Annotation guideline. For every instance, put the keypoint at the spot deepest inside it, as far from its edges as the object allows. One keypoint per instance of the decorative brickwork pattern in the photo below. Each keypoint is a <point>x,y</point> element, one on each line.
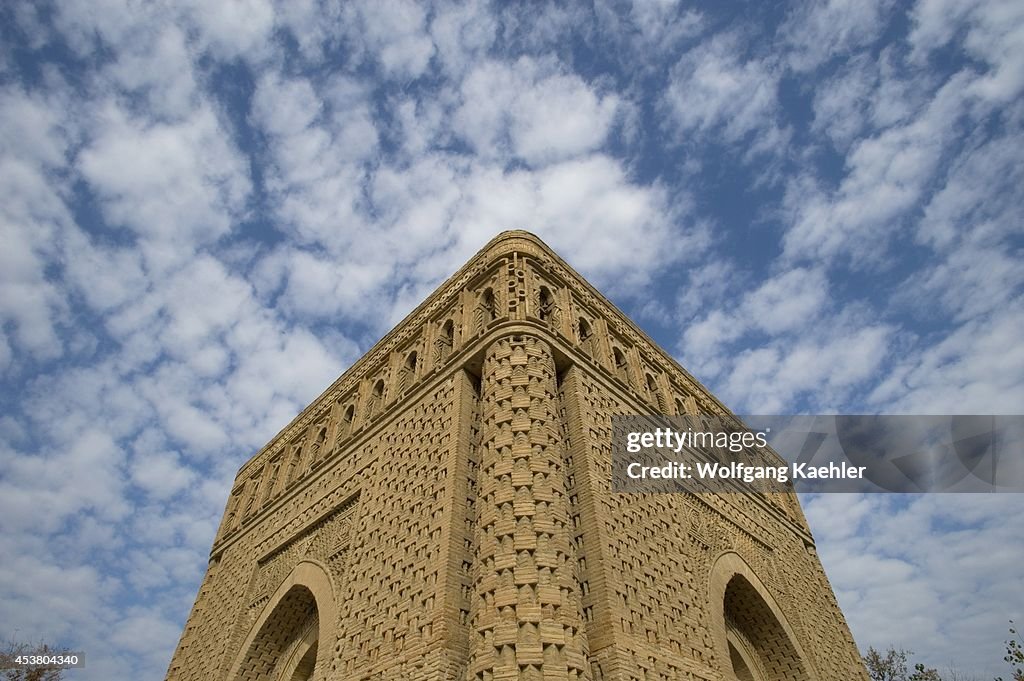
<point>444,511</point>
<point>526,616</point>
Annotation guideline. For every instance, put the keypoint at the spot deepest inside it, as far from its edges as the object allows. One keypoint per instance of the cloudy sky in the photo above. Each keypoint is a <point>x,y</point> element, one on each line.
<point>209,209</point>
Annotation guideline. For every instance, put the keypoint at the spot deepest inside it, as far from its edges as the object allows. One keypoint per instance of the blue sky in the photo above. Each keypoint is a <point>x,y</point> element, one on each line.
<point>209,210</point>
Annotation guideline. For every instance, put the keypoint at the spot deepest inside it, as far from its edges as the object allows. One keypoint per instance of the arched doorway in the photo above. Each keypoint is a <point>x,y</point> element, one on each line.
<point>287,637</point>
<point>754,639</point>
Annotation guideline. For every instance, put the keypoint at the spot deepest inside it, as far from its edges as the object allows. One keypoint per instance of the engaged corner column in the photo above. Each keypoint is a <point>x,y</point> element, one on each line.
<point>526,620</point>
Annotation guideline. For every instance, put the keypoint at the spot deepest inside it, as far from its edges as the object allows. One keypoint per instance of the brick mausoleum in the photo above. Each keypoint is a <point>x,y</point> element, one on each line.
<point>444,511</point>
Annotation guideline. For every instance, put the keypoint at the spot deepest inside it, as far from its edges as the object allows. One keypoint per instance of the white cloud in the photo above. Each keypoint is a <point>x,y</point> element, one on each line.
<point>716,93</point>
<point>819,31</point>
<point>180,183</point>
<point>791,300</point>
<point>71,593</point>
<point>158,65</point>
<point>822,369</point>
<point>33,129</point>
<point>531,110</point>
<point>912,560</point>
<point>935,22</point>
<point>992,32</point>
<point>161,474</point>
<point>433,214</point>
<point>33,145</point>
<point>84,476</point>
<point>840,103</point>
<point>787,302</point>
<point>462,33</point>
<point>583,208</point>
<point>422,125</point>
<point>887,176</point>
<point>285,107</point>
<point>5,352</point>
<point>662,23</point>
<point>640,35</point>
<point>28,17</point>
<point>977,192</point>
<point>543,29</point>
<point>107,277</point>
<point>83,23</point>
<point>224,30</point>
<point>145,635</point>
<point>183,420</point>
<point>322,287</point>
<point>707,283</point>
<point>192,315</point>
<point>971,281</point>
<point>976,368</point>
<point>786,342</point>
<point>704,341</point>
<point>392,33</point>
<point>318,146</point>
<point>232,29</point>
<point>312,24</point>
<point>865,95</point>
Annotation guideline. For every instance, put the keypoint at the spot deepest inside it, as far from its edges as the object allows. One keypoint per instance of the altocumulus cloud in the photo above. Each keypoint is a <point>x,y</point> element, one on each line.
<point>209,210</point>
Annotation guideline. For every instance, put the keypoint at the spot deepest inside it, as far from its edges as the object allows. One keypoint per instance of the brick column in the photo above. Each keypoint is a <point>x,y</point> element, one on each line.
<point>525,615</point>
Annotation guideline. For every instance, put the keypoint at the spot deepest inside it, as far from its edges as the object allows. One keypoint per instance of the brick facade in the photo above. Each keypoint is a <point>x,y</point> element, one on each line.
<point>444,511</point>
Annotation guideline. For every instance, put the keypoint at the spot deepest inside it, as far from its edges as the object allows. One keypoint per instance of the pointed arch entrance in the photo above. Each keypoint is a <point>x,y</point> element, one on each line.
<point>752,636</point>
<point>292,632</point>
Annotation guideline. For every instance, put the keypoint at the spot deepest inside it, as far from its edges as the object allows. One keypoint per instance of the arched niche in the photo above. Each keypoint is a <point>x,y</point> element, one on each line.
<point>753,640</point>
<point>376,398</point>
<point>444,344</point>
<point>293,631</point>
<point>621,364</point>
<point>547,308</point>
<point>407,374</point>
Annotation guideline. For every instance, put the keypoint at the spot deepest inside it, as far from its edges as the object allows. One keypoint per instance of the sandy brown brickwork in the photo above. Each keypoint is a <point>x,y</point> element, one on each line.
<point>443,511</point>
<point>526,617</point>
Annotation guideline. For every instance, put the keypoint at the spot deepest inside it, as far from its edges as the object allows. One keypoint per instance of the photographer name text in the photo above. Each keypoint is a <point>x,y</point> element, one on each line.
<point>738,470</point>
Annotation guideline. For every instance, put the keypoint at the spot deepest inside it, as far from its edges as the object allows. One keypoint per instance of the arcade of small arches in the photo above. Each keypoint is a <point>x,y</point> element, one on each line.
<point>555,307</point>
